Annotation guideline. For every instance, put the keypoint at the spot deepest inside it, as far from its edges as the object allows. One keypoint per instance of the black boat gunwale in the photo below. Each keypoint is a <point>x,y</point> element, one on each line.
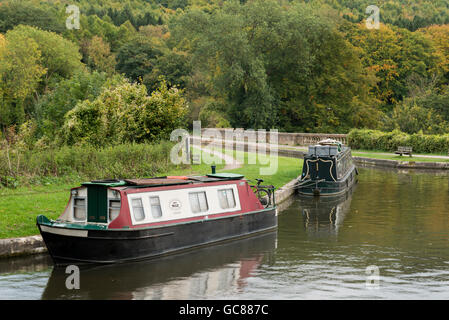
<point>173,251</point>
<point>64,260</point>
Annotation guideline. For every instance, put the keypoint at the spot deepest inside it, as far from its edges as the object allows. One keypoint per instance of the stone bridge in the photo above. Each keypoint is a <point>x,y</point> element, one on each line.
<point>284,138</point>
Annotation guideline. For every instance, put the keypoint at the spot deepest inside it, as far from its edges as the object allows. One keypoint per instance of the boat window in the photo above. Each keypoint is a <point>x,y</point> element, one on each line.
<point>114,209</point>
<point>226,198</point>
<point>79,209</point>
<point>138,211</point>
<point>198,201</point>
<point>155,207</point>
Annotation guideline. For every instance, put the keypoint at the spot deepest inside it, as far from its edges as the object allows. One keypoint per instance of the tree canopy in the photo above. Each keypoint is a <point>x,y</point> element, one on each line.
<point>310,66</point>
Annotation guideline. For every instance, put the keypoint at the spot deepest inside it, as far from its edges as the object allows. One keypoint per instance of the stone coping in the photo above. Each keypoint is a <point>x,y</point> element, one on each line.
<point>21,246</point>
<point>402,164</point>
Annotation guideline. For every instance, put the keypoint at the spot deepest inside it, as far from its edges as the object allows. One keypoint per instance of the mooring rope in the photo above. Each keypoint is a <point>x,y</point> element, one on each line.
<point>311,182</point>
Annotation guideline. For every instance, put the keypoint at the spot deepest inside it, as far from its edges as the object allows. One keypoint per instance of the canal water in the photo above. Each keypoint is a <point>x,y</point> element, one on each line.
<point>388,238</point>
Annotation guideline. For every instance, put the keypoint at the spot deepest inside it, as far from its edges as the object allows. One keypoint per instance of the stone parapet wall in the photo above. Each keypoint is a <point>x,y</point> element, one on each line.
<point>284,138</point>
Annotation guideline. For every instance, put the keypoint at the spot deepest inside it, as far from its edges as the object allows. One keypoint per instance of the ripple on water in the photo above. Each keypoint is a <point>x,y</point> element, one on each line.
<point>27,286</point>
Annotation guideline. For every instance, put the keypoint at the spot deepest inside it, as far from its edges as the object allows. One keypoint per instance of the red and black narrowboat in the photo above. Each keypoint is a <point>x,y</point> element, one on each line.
<point>112,221</point>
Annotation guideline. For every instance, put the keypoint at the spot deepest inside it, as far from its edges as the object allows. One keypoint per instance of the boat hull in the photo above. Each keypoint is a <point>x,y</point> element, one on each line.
<point>330,188</point>
<point>73,246</point>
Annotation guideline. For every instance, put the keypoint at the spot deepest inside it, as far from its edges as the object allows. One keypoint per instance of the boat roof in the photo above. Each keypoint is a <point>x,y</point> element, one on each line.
<point>164,181</point>
<point>320,150</point>
<point>329,142</point>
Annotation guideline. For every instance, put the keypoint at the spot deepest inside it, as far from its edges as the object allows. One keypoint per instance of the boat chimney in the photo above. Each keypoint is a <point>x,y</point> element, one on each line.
<point>213,169</point>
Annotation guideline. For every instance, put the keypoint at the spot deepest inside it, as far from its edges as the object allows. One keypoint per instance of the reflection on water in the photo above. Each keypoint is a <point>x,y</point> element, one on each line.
<point>395,220</point>
<point>29,264</point>
<point>191,275</point>
<point>323,216</point>
<point>24,278</point>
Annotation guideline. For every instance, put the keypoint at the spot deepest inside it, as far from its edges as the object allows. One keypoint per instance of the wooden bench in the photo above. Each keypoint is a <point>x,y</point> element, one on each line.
<point>404,150</point>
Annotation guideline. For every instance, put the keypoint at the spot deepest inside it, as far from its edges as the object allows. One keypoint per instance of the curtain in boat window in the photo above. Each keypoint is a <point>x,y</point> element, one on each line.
<point>198,201</point>
<point>226,198</point>
<point>155,207</point>
<point>230,197</point>
<point>114,208</point>
<point>79,209</point>
<point>139,213</point>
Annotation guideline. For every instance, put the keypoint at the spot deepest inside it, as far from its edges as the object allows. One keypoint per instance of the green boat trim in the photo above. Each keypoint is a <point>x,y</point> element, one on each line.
<point>43,220</point>
<point>105,183</point>
<point>226,175</point>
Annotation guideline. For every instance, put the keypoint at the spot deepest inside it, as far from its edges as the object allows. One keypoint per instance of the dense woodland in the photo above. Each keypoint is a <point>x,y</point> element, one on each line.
<point>137,69</point>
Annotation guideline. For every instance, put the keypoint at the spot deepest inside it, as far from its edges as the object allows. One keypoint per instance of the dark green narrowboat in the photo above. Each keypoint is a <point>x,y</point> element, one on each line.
<point>328,169</point>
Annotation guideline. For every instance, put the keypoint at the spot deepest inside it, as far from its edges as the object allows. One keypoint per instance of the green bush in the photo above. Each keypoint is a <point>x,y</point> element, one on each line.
<point>52,107</point>
<point>390,141</point>
<point>22,166</point>
<point>124,114</point>
<point>411,118</point>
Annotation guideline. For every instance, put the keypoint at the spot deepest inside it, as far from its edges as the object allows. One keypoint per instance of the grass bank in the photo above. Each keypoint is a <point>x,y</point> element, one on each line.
<point>375,155</point>
<point>286,168</point>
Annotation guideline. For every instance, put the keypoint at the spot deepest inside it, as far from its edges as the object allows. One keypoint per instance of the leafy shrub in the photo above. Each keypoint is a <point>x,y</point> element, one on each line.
<point>390,141</point>
<point>125,113</point>
<point>52,107</point>
<point>413,119</point>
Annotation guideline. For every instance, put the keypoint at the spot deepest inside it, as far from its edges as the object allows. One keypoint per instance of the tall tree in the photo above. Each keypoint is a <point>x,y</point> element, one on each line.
<point>42,16</point>
<point>98,55</point>
<point>395,55</point>
<point>20,73</point>
<point>276,65</point>
<point>60,57</point>
<point>439,35</point>
<point>137,57</point>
